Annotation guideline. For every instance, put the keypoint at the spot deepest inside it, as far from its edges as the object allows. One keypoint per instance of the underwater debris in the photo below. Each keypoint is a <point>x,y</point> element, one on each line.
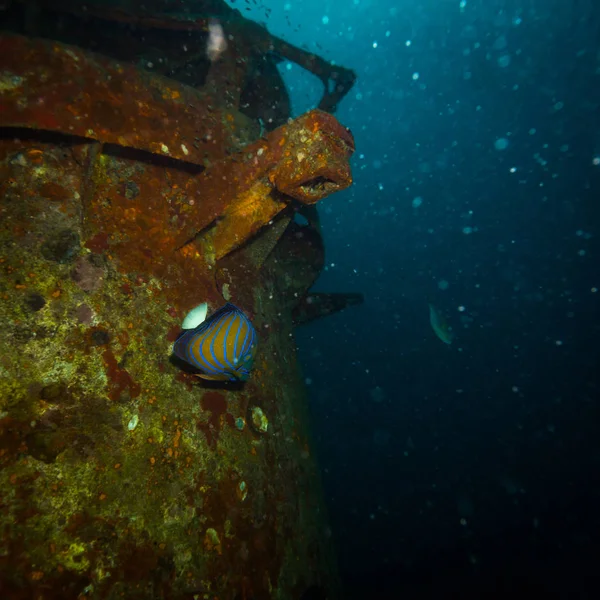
<point>246,192</point>
<point>96,493</point>
<point>244,37</point>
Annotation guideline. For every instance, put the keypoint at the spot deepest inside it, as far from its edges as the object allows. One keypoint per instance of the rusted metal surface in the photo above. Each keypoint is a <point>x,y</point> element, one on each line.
<point>305,161</point>
<point>154,218</point>
<point>122,475</point>
<point>297,262</point>
<point>113,103</point>
<point>247,39</point>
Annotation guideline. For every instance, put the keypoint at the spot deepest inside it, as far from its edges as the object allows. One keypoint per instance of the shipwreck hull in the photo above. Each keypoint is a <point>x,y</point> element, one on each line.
<point>126,199</point>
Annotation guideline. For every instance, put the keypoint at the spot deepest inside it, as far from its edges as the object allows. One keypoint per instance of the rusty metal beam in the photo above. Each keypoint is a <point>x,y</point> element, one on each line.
<point>61,88</point>
<point>305,160</point>
<point>246,34</point>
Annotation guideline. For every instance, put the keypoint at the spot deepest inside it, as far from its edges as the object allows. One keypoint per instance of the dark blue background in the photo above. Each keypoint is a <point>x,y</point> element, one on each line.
<point>501,428</point>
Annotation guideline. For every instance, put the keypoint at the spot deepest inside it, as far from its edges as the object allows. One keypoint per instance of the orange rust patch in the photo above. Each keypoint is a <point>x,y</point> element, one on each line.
<point>216,403</point>
<point>119,379</point>
<point>53,191</point>
<point>146,225</point>
<point>98,243</point>
<point>173,333</point>
<point>35,155</point>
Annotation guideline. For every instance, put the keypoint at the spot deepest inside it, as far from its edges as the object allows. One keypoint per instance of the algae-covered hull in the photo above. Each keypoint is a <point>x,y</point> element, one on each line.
<point>127,199</point>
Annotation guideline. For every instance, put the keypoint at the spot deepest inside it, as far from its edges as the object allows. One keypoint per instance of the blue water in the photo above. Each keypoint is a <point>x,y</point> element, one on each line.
<point>476,188</point>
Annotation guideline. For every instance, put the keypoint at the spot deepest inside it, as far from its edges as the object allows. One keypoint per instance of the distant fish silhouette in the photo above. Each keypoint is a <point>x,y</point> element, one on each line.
<point>222,347</point>
<point>439,325</point>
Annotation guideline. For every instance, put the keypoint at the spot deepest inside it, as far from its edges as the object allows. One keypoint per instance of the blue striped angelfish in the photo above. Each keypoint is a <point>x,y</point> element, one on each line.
<point>222,347</point>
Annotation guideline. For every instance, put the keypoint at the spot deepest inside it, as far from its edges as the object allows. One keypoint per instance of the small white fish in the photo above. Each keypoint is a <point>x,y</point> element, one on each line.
<point>195,317</point>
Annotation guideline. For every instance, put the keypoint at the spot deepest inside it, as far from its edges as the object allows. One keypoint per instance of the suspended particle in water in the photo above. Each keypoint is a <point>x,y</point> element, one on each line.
<point>500,43</point>
<point>501,144</point>
<point>504,61</point>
